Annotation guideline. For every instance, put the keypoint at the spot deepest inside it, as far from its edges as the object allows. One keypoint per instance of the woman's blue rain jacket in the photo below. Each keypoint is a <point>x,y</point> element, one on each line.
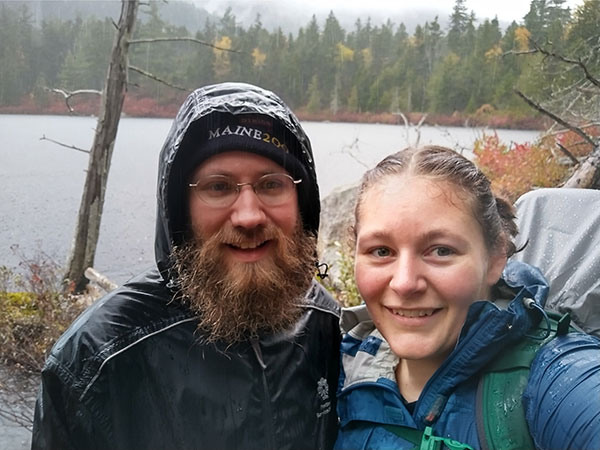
<point>561,399</point>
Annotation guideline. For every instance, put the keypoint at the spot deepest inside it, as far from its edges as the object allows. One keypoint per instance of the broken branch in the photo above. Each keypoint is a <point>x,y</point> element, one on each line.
<point>564,59</point>
<point>72,147</point>
<point>188,39</point>
<point>554,117</point>
<point>567,153</point>
<point>68,95</point>
<point>155,78</point>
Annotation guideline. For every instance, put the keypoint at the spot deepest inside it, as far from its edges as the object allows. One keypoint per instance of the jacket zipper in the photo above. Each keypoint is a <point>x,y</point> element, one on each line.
<point>268,410</point>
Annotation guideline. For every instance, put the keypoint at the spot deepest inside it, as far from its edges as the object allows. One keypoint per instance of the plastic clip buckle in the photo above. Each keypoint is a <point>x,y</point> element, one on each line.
<point>431,442</point>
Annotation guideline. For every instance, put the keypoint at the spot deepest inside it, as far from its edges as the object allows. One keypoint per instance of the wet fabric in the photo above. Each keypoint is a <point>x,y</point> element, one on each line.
<point>561,230</point>
<point>186,145</point>
<point>565,374</point>
<point>130,373</point>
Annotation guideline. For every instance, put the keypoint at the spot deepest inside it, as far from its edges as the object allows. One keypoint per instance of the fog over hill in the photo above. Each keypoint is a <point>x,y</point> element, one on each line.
<point>289,15</point>
<point>180,13</point>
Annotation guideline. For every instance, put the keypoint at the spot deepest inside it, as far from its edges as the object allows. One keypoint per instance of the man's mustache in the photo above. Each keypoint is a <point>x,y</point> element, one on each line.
<point>243,238</point>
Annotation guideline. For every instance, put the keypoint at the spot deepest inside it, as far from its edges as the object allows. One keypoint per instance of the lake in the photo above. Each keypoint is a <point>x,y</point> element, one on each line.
<point>41,182</point>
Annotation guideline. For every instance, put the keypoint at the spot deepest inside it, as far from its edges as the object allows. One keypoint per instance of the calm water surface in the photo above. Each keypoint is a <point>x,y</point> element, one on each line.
<point>41,182</point>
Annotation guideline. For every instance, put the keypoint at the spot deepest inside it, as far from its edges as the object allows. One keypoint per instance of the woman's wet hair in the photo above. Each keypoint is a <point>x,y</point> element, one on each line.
<point>495,215</point>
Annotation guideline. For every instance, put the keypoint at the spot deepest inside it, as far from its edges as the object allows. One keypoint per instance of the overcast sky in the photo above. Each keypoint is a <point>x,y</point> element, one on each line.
<point>505,10</point>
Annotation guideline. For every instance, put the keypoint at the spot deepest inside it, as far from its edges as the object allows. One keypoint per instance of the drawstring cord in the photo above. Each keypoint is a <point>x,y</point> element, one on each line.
<point>530,303</point>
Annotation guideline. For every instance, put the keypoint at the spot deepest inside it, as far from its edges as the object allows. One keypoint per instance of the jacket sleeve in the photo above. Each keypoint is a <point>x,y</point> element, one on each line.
<point>562,403</point>
<point>56,414</point>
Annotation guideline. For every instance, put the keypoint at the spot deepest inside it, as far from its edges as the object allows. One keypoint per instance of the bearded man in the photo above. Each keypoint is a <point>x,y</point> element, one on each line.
<point>229,343</point>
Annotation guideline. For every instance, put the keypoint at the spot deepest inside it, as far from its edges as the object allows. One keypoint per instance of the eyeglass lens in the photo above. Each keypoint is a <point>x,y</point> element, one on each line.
<point>221,191</point>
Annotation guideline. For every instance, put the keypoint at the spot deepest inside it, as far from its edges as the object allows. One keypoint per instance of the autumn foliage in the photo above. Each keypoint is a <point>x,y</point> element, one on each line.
<point>574,143</point>
<point>517,168</point>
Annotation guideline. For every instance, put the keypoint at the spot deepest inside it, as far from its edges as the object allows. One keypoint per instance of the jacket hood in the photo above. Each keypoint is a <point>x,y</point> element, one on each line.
<point>205,114</point>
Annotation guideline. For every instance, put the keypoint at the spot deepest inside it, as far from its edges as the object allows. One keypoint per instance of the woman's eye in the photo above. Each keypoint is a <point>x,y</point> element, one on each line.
<point>381,252</point>
<point>443,251</point>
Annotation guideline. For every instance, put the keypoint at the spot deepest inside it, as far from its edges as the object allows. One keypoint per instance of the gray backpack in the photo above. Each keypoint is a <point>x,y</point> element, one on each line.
<point>562,229</point>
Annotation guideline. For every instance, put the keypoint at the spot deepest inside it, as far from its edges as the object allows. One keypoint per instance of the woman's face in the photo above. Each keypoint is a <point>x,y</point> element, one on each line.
<point>421,261</point>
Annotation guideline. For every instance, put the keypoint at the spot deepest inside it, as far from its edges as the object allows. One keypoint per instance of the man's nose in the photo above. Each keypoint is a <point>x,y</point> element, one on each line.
<point>408,277</point>
<point>247,211</point>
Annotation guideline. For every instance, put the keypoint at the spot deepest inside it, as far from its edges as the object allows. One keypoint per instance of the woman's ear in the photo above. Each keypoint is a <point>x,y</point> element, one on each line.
<point>496,266</point>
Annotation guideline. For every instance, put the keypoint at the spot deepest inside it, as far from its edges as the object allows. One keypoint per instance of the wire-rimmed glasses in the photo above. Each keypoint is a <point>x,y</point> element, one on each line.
<point>220,191</point>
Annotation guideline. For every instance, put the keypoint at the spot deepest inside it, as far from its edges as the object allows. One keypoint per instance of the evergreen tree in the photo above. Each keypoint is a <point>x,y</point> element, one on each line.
<point>545,21</point>
<point>314,95</point>
<point>370,68</point>
<point>56,40</point>
<point>307,55</point>
<point>15,53</point>
<point>481,67</point>
<point>328,69</point>
<point>432,43</point>
<point>458,27</point>
<point>85,64</point>
<point>509,67</point>
<point>200,63</point>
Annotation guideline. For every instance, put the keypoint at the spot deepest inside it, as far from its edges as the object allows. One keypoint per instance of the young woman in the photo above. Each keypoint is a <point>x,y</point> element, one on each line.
<point>441,306</point>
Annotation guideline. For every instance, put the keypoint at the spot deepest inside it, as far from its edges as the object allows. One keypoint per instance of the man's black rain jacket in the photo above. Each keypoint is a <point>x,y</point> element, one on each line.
<point>130,374</point>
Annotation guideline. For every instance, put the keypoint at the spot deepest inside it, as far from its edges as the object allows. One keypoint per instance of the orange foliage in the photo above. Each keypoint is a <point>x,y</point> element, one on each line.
<point>575,143</point>
<point>519,168</point>
<point>522,36</point>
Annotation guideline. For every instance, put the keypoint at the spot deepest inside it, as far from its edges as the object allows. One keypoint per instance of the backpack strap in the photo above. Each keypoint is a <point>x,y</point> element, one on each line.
<point>500,413</point>
<point>425,440</point>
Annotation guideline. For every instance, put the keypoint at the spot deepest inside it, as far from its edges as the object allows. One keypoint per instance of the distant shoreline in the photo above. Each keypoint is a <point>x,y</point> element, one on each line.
<point>88,105</point>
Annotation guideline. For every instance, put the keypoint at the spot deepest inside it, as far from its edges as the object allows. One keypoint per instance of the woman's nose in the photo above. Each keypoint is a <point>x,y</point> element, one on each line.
<point>407,277</point>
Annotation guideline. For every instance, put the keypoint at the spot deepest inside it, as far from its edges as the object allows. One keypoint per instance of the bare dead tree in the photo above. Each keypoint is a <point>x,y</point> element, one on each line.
<point>582,94</point>
<point>587,174</point>
<point>92,201</point>
<point>409,126</point>
<point>576,62</point>
<point>574,89</point>
<point>556,118</point>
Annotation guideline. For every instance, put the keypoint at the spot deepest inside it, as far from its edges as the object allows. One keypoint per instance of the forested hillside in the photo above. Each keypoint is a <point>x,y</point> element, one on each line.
<point>471,66</point>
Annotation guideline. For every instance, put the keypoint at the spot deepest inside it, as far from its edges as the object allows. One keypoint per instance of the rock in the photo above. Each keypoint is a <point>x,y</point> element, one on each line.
<point>335,231</point>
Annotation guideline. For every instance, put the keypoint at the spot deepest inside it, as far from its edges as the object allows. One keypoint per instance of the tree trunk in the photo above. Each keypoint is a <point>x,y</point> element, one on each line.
<point>587,175</point>
<point>92,201</point>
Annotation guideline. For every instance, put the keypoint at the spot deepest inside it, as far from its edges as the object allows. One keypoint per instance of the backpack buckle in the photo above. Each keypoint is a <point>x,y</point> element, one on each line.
<point>431,442</point>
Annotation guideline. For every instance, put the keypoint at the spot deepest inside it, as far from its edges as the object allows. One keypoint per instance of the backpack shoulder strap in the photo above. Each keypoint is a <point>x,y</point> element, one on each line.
<point>500,413</point>
<point>425,440</point>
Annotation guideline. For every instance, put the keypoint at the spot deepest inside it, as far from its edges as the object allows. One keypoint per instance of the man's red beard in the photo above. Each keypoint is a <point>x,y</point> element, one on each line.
<point>236,301</point>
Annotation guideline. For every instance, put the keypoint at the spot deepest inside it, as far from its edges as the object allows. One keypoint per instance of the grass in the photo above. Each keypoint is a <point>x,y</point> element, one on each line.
<point>34,311</point>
